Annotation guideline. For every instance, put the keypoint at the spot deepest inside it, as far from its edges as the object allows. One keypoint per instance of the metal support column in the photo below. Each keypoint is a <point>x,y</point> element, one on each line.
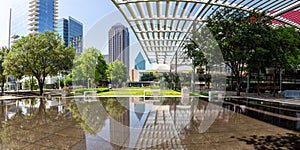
<point>248,83</point>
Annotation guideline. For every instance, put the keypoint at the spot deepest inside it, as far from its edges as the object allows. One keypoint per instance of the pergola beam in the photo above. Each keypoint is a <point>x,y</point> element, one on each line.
<point>287,9</point>
<point>163,25</point>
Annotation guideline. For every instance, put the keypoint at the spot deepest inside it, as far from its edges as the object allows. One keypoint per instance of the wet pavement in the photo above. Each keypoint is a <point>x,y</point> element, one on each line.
<point>136,123</point>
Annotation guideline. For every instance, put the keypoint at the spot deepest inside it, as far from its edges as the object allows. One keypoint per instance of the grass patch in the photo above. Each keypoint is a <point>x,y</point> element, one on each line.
<point>199,93</point>
<point>137,92</point>
<point>98,90</point>
<point>164,92</point>
<point>133,92</point>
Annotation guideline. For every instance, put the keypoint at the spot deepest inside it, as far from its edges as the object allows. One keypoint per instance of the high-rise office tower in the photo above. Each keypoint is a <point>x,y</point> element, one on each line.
<point>71,31</point>
<point>118,48</point>
<point>33,16</point>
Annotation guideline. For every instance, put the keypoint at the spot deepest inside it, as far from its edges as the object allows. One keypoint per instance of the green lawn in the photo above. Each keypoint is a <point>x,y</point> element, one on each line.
<point>128,92</point>
<point>137,92</point>
<point>133,92</point>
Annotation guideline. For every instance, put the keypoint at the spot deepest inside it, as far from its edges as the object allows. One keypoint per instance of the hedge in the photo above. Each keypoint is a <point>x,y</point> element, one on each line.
<point>99,90</point>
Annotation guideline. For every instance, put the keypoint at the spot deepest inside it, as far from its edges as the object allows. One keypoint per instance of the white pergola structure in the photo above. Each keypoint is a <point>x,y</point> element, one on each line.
<point>161,26</point>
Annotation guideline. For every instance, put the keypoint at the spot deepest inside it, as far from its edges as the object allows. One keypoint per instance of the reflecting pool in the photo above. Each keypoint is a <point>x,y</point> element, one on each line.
<point>139,123</point>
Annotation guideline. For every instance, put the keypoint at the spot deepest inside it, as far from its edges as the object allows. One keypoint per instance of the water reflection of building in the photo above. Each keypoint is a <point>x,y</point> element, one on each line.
<point>160,127</point>
<point>139,110</point>
<point>120,126</point>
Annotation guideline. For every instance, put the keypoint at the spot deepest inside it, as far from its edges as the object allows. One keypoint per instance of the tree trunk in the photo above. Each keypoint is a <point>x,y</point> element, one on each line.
<point>258,85</point>
<point>2,114</point>
<point>238,89</point>
<point>41,85</point>
<point>31,83</point>
<point>42,108</point>
<point>274,83</point>
<point>2,85</point>
<point>238,85</point>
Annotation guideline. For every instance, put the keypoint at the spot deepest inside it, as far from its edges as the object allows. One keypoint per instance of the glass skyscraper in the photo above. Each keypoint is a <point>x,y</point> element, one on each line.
<point>118,48</point>
<point>71,31</point>
<point>33,16</point>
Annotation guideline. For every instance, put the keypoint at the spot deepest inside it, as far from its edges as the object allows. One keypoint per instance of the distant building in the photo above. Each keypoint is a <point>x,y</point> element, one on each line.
<point>71,31</point>
<point>139,62</point>
<point>106,57</point>
<point>118,47</point>
<point>32,16</point>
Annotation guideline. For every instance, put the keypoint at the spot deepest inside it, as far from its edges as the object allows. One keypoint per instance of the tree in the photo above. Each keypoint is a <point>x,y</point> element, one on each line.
<point>283,50</point>
<point>148,77</point>
<point>93,115</point>
<point>66,81</point>
<point>100,72</point>
<point>118,73</point>
<point>85,66</point>
<point>3,53</point>
<point>234,29</point>
<point>259,34</point>
<point>39,55</point>
<point>29,84</point>
<point>192,50</point>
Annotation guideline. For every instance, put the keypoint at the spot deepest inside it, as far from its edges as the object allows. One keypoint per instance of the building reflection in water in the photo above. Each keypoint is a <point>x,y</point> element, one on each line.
<point>120,126</point>
<point>149,123</point>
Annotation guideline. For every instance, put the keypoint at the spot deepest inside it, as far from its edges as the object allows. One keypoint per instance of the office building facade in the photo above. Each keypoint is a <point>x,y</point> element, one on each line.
<point>71,31</point>
<point>118,48</point>
<point>33,16</point>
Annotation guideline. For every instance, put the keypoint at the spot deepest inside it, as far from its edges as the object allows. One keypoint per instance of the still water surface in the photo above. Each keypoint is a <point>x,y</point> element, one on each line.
<point>118,123</point>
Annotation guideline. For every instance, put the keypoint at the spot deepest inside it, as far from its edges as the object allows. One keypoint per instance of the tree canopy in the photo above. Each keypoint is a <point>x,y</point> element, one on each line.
<point>118,73</point>
<point>240,34</point>
<point>148,77</point>
<point>90,65</point>
<point>3,53</point>
<point>101,67</point>
<point>84,66</point>
<point>247,41</point>
<point>39,55</point>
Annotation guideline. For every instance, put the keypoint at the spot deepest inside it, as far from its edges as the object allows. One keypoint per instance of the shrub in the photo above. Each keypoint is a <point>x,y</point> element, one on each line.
<point>199,93</point>
<point>99,90</point>
<point>203,93</point>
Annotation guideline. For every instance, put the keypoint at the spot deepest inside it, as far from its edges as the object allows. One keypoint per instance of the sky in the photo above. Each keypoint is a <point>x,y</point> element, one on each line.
<point>97,17</point>
<point>89,12</point>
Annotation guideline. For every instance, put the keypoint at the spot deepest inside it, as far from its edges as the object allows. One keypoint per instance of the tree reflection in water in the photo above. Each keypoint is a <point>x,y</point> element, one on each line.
<point>93,114</point>
<point>22,129</point>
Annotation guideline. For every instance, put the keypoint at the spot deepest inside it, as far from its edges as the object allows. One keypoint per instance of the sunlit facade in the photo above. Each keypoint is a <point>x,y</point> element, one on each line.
<point>118,48</point>
<point>71,31</point>
<point>33,16</point>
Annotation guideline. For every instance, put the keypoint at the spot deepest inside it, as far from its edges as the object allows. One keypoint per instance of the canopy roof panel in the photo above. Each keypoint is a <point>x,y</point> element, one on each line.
<point>162,25</point>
